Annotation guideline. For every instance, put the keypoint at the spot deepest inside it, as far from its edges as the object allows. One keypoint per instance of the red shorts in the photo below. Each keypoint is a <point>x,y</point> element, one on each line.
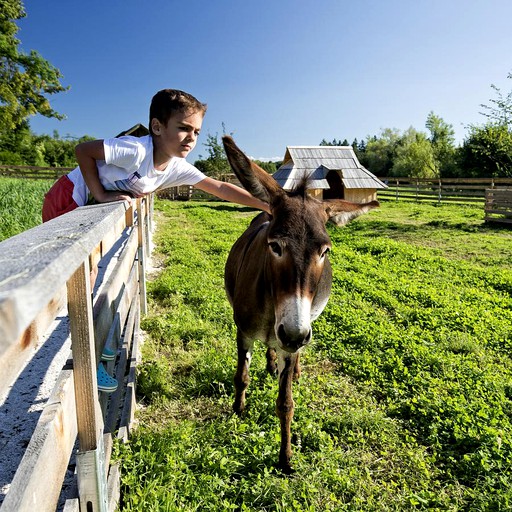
<point>59,199</point>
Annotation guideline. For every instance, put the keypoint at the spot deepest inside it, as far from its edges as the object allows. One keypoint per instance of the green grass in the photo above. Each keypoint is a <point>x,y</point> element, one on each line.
<point>405,398</point>
<point>21,201</point>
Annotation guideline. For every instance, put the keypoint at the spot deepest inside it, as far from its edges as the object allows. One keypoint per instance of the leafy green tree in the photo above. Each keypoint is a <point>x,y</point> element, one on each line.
<point>500,110</point>
<point>270,167</point>
<point>414,156</point>
<point>216,164</point>
<point>58,152</point>
<point>25,79</point>
<point>442,139</point>
<point>487,151</point>
<point>380,152</point>
<point>17,147</point>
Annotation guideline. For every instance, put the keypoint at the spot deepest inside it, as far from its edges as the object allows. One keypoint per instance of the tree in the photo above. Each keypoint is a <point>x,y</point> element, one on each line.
<point>380,152</point>
<point>442,139</point>
<point>500,112</point>
<point>25,79</point>
<point>334,142</point>
<point>270,167</point>
<point>414,156</point>
<point>216,164</point>
<point>487,151</point>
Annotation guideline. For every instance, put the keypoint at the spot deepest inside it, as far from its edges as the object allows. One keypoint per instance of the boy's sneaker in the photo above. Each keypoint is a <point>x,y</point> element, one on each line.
<point>106,383</point>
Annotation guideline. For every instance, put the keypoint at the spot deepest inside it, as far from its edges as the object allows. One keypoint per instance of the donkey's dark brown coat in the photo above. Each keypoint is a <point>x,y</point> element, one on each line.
<point>278,280</point>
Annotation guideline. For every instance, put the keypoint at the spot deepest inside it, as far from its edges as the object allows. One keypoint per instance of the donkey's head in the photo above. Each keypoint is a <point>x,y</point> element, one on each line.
<point>298,272</point>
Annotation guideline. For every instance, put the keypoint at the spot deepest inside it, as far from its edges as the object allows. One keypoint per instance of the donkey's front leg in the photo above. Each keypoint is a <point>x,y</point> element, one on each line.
<point>285,406</point>
<point>242,378</point>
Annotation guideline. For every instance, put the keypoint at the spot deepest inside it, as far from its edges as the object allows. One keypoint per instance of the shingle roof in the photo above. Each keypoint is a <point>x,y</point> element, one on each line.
<point>316,161</point>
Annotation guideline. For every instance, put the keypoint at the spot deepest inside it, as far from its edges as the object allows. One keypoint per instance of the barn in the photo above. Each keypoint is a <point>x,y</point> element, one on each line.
<point>334,173</point>
<point>139,130</point>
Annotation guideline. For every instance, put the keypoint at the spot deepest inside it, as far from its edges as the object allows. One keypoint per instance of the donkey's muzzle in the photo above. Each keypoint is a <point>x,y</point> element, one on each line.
<point>292,340</point>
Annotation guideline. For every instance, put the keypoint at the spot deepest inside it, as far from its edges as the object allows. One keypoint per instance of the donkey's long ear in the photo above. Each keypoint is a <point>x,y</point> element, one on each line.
<point>252,177</point>
<point>341,212</point>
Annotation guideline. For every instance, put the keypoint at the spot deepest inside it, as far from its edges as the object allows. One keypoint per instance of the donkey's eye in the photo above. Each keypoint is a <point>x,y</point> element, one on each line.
<point>324,252</point>
<point>275,248</point>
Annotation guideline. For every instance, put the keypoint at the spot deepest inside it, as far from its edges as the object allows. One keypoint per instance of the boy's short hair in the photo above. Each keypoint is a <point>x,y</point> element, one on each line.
<point>167,102</point>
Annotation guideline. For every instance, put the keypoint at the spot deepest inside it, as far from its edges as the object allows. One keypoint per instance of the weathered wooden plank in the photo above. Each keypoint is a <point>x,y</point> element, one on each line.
<point>72,505</point>
<point>14,357</point>
<point>498,219</point>
<point>114,487</point>
<point>35,264</point>
<point>128,412</point>
<point>498,211</point>
<point>84,358</point>
<point>38,480</point>
<point>141,255</point>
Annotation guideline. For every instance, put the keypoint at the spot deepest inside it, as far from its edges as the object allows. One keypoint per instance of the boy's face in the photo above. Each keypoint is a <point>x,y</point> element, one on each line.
<point>179,136</point>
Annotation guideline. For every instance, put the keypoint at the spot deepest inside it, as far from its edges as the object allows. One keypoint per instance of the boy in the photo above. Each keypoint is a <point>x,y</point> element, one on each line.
<point>120,169</point>
<point>126,167</point>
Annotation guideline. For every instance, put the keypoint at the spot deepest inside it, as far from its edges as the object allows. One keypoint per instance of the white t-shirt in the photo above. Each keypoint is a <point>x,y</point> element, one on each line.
<point>128,167</point>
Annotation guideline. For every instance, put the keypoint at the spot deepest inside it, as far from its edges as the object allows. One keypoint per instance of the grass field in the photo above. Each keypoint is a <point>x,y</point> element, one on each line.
<point>405,398</point>
<point>20,204</point>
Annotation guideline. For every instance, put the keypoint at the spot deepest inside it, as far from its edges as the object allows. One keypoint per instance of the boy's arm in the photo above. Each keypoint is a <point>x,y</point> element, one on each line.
<point>86,154</point>
<point>231,193</point>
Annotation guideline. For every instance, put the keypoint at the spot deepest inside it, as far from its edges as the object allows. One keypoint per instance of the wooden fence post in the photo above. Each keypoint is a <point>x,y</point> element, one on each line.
<point>92,480</point>
<point>141,255</point>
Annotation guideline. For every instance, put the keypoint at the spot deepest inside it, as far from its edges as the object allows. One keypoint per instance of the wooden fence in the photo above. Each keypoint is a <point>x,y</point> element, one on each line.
<point>33,172</point>
<point>453,190</point>
<point>41,271</point>
<point>498,205</point>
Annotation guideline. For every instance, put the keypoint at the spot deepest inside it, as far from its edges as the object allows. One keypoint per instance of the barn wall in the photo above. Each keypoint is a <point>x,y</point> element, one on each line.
<point>317,193</point>
<point>360,195</point>
<point>356,195</point>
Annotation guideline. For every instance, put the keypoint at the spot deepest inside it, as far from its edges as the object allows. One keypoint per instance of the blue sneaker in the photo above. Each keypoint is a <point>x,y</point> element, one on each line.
<point>108,354</point>
<point>106,383</point>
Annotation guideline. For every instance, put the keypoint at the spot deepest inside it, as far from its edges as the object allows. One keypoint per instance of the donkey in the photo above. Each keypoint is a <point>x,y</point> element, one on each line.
<point>278,280</point>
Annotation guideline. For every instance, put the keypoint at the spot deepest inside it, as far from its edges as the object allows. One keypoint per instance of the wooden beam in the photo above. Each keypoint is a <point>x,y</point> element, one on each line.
<point>15,356</point>
<point>38,480</point>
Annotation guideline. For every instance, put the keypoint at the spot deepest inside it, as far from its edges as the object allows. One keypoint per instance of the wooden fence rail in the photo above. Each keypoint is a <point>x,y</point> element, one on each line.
<point>498,205</point>
<point>453,190</point>
<point>33,172</point>
<point>42,270</point>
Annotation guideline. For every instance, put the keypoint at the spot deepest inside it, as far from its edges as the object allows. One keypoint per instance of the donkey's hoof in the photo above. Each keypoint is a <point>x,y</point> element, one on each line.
<point>238,408</point>
<point>286,469</point>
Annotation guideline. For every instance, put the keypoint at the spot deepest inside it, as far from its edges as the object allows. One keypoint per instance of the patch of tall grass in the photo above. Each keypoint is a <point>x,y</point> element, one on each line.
<point>21,201</point>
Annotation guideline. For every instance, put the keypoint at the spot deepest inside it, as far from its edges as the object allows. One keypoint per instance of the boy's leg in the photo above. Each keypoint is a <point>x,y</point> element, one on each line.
<point>59,199</point>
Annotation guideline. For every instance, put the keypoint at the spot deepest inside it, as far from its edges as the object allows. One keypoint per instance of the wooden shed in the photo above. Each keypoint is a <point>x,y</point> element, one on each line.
<point>139,130</point>
<point>334,172</point>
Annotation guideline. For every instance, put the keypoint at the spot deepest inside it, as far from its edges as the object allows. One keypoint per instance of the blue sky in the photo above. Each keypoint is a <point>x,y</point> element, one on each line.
<point>275,72</point>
